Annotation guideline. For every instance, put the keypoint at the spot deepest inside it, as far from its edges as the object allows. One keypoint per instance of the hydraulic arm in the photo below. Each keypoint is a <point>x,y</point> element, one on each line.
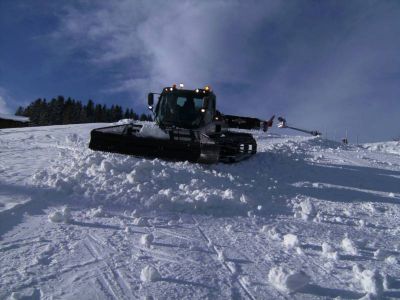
<point>283,124</point>
<point>247,122</point>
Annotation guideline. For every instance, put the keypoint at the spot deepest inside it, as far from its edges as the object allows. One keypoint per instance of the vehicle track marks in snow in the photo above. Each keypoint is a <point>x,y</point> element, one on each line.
<point>108,276</point>
<point>223,263</point>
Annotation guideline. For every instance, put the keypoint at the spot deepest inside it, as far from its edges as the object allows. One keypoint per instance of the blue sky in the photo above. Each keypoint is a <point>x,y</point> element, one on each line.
<point>327,65</point>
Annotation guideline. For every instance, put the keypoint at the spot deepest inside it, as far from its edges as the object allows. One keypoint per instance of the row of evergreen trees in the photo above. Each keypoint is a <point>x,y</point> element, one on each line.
<point>59,111</point>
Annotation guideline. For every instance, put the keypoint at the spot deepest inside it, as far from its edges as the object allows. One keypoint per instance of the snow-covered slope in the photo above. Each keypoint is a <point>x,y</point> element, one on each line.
<point>304,218</point>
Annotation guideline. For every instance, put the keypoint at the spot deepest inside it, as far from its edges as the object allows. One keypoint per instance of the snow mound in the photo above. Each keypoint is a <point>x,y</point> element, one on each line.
<point>149,274</point>
<point>112,179</point>
<point>61,216</point>
<point>287,281</point>
<point>290,241</point>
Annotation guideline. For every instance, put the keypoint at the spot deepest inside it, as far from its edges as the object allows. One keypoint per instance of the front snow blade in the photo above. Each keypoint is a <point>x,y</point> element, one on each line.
<point>124,139</point>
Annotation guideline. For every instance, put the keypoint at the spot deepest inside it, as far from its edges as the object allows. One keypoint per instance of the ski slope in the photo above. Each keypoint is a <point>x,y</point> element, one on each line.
<point>304,218</point>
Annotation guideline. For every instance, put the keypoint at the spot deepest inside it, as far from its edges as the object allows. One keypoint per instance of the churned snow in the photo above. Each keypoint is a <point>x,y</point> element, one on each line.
<point>305,218</point>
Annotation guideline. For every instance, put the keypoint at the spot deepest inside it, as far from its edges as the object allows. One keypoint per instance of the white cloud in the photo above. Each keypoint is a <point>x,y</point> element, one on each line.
<point>161,43</point>
<point>3,104</point>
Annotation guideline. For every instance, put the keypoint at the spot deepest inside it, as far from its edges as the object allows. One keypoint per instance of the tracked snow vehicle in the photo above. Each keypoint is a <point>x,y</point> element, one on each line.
<point>191,129</point>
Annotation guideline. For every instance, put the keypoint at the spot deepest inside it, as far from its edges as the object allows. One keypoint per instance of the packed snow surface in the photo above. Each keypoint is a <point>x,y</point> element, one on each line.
<point>305,218</point>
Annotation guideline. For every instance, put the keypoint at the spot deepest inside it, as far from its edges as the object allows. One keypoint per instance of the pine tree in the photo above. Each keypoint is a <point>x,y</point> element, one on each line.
<point>90,111</point>
<point>60,111</point>
<point>143,117</point>
<point>98,113</point>
<point>20,111</point>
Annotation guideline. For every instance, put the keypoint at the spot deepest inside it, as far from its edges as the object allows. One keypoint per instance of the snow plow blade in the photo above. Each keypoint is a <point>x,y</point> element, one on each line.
<point>182,144</point>
<point>124,139</point>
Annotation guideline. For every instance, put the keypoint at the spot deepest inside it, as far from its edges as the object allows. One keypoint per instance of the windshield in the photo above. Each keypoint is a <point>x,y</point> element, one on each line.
<point>179,110</point>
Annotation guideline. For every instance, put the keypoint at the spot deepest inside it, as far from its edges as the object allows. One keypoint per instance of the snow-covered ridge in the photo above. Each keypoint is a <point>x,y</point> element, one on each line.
<point>13,117</point>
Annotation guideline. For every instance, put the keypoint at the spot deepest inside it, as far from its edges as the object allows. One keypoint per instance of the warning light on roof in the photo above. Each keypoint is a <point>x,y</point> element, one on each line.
<point>171,89</point>
<point>181,85</point>
<point>207,88</point>
<point>197,90</point>
<point>174,86</point>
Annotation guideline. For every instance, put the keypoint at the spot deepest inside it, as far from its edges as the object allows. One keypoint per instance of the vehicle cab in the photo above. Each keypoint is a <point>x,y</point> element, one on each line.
<point>184,108</point>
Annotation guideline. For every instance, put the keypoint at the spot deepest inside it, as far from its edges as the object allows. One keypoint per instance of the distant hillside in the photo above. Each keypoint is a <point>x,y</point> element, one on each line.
<point>60,111</point>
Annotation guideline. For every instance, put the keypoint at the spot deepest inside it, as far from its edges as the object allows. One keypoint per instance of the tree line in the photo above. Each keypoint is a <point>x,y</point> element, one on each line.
<point>60,111</point>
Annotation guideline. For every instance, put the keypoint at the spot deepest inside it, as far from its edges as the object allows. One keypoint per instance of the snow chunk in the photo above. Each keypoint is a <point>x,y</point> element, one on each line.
<point>271,232</point>
<point>96,212</point>
<point>380,254</point>
<point>348,246</point>
<point>391,260</point>
<point>141,222</point>
<point>328,251</point>
<point>290,241</point>
<point>232,267</point>
<point>149,274</point>
<point>220,254</point>
<point>227,194</point>
<point>105,166</point>
<point>307,209</point>
<point>61,216</point>
<point>146,240</point>
<point>287,280</point>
